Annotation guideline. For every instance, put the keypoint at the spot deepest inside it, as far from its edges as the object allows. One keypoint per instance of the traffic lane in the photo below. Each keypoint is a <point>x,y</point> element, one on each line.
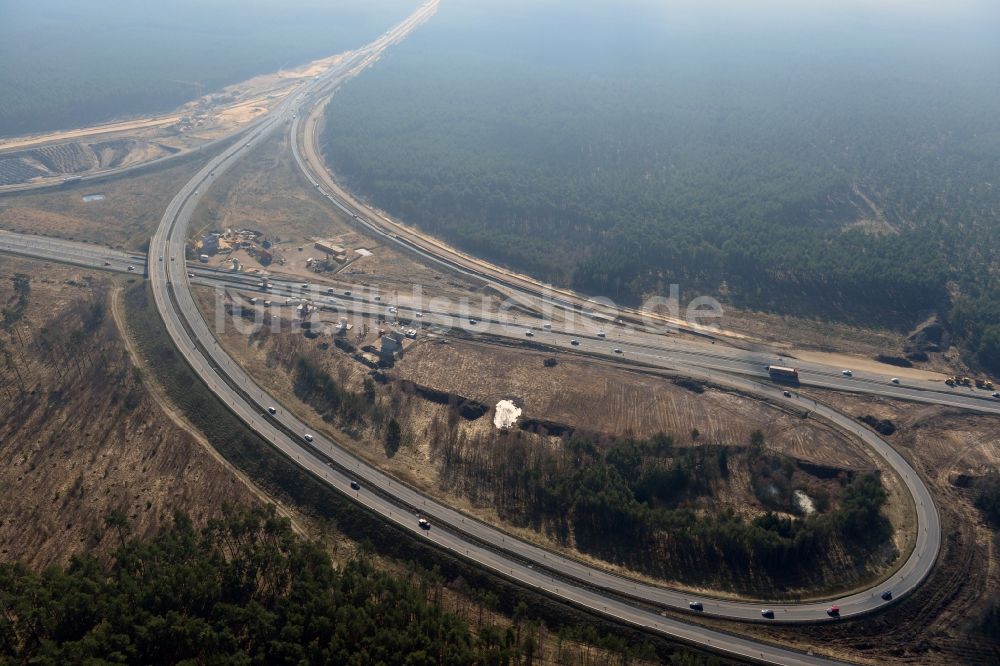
<point>75,259</point>
<point>668,354</point>
<point>59,248</point>
<point>928,537</point>
<point>763,360</point>
<point>49,242</point>
<point>756,361</point>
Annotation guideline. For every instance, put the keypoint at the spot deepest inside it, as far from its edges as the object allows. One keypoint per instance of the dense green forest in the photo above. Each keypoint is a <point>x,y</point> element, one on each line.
<point>69,64</point>
<point>988,498</point>
<point>810,160</point>
<point>244,590</point>
<point>987,491</point>
<point>652,506</point>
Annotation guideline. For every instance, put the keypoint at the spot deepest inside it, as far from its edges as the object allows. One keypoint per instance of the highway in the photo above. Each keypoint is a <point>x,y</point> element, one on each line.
<point>656,350</point>
<point>478,542</point>
<point>695,363</point>
<point>70,252</point>
<point>560,577</point>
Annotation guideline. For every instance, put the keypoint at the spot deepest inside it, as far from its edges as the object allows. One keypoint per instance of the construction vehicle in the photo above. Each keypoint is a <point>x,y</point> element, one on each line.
<point>950,381</point>
<point>984,384</point>
<point>965,381</point>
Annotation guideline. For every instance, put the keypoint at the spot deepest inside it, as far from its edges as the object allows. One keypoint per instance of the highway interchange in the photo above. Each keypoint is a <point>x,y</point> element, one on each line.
<point>552,574</point>
<point>529,563</point>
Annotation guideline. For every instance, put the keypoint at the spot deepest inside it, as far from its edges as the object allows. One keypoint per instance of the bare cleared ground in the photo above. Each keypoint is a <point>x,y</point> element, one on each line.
<point>834,342</point>
<point>54,156</point>
<point>268,193</point>
<point>602,399</point>
<point>126,218</point>
<point>36,140</point>
<point>86,437</point>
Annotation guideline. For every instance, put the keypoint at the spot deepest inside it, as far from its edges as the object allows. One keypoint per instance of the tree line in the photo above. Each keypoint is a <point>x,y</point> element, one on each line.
<point>635,502</point>
<point>245,589</point>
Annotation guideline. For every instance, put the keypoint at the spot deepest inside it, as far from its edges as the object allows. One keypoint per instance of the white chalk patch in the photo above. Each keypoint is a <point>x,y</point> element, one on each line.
<point>506,414</point>
<point>804,503</point>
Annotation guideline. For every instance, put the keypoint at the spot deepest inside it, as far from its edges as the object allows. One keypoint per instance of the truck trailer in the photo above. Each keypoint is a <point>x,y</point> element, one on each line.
<point>782,374</point>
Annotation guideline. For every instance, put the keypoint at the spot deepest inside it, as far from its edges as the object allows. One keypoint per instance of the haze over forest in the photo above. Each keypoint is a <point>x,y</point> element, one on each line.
<point>66,64</point>
<point>813,158</point>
